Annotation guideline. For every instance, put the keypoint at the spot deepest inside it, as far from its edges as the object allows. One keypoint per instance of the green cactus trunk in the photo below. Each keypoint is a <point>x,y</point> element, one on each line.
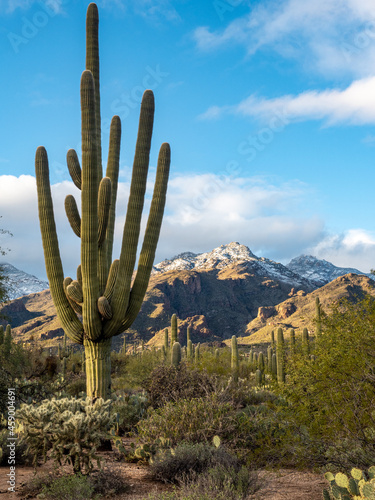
<point>166,340</point>
<point>174,335</point>
<point>176,354</point>
<point>280,357</point>
<point>189,350</point>
<point>292,341</point>
<point>305,342</point>
<point>318,318</point>
<point>1,335</point>
<point>188,334</point>
<point>102,294</point>
<point>235,363</point>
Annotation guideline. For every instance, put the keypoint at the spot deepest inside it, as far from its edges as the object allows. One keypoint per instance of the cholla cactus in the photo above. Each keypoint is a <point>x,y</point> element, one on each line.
<point>102,294</point>
<point>71,428</point>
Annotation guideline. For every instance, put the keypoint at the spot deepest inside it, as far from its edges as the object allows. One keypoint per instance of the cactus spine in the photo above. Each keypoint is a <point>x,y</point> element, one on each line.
<point>235,364</point>
<point>174,329</point>
<point>280,357</point>
<point>102,292</point>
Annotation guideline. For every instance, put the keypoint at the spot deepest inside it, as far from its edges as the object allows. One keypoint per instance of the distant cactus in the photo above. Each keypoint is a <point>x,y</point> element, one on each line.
<point>176,354</point>
<point>261,363</point>
<point>273,344</point>
<point>166,340</point>
<point>1,335</point>
<point>269,359</point>
<point>7,340</point>
<point>188,334</point>
<point>292,341</point>
<point>259,377</point>
<point>217,354</point>
<point>274,366</point>
<point>189,350</point>
<point>305,342</point>
<point>318,318</point>
<point>174,335</point>
<point>235,363</point>
<point>280,357</point>
<point>197,354</point>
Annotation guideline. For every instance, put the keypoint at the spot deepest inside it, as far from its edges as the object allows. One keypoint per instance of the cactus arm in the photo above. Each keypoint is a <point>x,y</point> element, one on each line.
<point>104,202</point>
<point>113,271</point>
<point>89,211</point>
<point>113,166</point>
<point>74,167</point>
<point>70,323</point>
<point>76,307</point>
<point>151,238</point>
<point>72,213</point>
<point>133,215</point>
<point>92,64</point>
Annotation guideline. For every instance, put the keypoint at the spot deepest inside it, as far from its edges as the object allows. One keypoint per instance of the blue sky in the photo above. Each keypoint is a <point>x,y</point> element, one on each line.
<point>269,108</point>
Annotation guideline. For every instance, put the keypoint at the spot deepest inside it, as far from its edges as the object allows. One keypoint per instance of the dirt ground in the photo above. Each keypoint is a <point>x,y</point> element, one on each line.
<point>275,485</point>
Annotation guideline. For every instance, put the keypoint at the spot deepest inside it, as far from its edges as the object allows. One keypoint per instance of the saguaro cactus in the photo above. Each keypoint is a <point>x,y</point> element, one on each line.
<point>102,293</point>
<point>235,363</point>
<point>318,318</point>
<point>174,335</point>
<point>280,355</point>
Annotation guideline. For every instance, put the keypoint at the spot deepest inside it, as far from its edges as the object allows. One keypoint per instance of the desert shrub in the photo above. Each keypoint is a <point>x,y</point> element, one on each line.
<point>71,428</point>
<point>334,396</point>
<point>216,483</point>
<point>21,456</point>
<point>134,371</point>
<point>76,386</point>
<point>76,487</point>
<point>129,409</point>
<point>193,420</point>
<point>167,383</point>
<point>108,483</point>
<point>186,459</point>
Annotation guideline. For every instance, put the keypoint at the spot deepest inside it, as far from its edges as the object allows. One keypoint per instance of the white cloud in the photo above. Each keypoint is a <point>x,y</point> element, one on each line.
<point>52,6</point>
<point>354,248</point>
<point>203,212</point>
<point>324,35</point>
<point>354,105</point>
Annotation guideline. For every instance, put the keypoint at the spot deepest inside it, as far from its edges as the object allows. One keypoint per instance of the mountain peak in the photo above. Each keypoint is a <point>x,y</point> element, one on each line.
<point>19,283</point>
<point>319,271</point>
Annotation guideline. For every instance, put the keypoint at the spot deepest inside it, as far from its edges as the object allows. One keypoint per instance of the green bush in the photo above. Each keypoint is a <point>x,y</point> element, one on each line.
<point>192,420</point>
<point>129,409</point>
<point>333,397</point>
<point>72,428</point>
<point>187,459</point>
<point>76,487</point>
<point>217,483</point>
<point>169,384</point>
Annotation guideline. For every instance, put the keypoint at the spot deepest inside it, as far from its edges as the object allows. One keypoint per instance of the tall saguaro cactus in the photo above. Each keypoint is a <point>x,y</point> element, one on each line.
<point>102,294</point>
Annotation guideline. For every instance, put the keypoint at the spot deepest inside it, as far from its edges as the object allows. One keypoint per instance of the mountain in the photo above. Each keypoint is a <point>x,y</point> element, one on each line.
<point>19,283</point>
<point>298,312</point>
<point>319,271</point>
<point>216,293</point>
<point>232,254</point>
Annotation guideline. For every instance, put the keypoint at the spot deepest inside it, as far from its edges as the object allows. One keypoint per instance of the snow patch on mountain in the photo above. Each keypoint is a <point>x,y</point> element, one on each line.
<point>230,254</point>
<point>18,283</point>
<point>320,271</point>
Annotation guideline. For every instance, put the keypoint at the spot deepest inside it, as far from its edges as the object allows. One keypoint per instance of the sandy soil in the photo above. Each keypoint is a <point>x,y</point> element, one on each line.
<point>275,485</point>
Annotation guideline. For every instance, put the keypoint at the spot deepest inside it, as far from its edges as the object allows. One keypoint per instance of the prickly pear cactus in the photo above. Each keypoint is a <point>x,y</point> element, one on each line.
<point>356,487</point>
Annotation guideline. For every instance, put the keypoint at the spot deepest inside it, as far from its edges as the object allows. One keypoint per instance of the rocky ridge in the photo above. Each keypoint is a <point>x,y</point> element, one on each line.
<point>19,283</point>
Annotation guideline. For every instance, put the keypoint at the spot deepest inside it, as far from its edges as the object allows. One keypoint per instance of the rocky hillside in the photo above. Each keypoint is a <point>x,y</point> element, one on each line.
<point>217,295</point>
<point>298,312</point>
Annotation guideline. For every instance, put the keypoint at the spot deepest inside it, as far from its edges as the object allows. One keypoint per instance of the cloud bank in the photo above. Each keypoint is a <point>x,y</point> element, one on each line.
<point>203,212</point>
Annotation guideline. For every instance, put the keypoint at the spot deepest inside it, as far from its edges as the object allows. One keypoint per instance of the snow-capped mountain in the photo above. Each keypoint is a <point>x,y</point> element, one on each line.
<point>233,253</point>
<point>319,270</point>
<point>18,283</point>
